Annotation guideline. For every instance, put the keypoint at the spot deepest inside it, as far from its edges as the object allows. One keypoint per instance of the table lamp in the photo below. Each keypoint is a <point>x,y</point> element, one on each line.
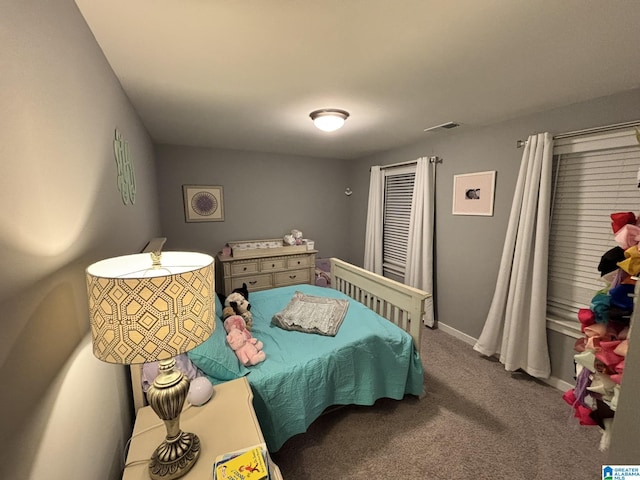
<point>151,307</point>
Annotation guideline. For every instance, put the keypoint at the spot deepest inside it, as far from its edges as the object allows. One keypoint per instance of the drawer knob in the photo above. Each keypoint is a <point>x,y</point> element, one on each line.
<point>245,269</point>
<point>292,276</point>
<point>253,282</point>
<point>273,265</point>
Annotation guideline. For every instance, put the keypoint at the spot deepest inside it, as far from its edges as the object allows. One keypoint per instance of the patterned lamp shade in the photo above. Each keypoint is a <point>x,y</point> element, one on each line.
<point>141,312</point>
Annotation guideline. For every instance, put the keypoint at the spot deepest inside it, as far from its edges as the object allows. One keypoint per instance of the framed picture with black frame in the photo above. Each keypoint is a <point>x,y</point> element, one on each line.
<point>203,203</point>
<point>473,193</point>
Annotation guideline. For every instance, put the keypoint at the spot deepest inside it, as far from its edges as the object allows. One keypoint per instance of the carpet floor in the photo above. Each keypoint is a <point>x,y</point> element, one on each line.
<point>477,421</point>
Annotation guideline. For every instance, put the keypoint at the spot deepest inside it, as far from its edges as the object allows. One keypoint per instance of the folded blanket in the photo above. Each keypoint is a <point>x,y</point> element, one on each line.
<point>311,314</point>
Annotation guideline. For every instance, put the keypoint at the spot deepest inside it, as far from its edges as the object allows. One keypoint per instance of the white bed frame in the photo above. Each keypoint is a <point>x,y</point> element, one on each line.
<point>398,303</point>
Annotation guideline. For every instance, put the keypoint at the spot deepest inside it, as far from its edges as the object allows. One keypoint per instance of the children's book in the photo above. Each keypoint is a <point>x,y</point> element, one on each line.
<point>246,464</point>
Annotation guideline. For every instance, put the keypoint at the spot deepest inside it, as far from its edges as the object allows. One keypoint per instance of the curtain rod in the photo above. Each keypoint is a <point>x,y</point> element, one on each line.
<point>577,133</point>
<point>606,128</point>
<point>410,162</point>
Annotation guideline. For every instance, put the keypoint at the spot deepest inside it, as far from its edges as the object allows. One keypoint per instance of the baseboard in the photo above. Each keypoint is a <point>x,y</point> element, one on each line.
<point>468,339</point>
<point>457,333</point>
<point>558,383</point>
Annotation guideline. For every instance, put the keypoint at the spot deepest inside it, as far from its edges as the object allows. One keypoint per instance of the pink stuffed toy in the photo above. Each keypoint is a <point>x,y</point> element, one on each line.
<point>237,322</point>
<point>249,352</point>
<point>248,349</point>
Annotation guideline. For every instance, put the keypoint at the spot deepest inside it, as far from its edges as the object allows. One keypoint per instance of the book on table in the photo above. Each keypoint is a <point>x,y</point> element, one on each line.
<point>245,464</point>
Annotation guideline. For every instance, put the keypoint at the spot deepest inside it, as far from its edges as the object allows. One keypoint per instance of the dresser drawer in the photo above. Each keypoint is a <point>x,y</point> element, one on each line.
<point>291,277</point>
<point>263,272</point>
<point>242,268</point>
<point>254,282</point>
<point>273,264</point>
<point>299,262</point>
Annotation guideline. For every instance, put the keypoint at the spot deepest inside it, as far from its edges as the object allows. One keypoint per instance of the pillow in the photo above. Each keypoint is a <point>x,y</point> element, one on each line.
<point>216,359</point>
<point>219,306</point>
<point>311,314</point>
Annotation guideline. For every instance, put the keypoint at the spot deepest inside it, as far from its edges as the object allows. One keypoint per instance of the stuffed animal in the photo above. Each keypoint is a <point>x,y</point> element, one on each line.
<point>248,348</point>
<point>247,352</point>
<point>227,312</point>
<point>238,299</point>
<point>236,322</point>
<point>243,290</point>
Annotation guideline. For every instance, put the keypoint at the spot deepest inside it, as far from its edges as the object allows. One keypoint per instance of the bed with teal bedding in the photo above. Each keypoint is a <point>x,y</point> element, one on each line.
<point>304,373</point>
<point>373,354</point>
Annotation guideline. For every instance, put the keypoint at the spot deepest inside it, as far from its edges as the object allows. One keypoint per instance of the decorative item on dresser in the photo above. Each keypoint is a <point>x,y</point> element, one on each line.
<point>262,269</point>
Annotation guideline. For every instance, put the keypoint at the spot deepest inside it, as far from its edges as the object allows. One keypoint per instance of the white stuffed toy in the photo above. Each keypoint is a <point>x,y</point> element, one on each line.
<point>238,300</point>
<point>294,238</point>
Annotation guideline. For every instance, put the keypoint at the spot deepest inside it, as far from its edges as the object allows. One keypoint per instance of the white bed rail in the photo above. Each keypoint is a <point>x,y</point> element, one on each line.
<point>401,304</point>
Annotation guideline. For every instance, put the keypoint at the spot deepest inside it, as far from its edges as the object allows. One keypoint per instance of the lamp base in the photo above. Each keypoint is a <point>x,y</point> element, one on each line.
<point>174,457</point>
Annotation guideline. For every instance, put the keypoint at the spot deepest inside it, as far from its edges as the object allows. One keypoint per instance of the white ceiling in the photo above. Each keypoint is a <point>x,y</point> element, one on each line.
<point>246,74</point>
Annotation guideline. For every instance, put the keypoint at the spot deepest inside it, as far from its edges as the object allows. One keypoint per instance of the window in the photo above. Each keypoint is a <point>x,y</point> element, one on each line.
<point>594,176</point>
<point>398,192</point>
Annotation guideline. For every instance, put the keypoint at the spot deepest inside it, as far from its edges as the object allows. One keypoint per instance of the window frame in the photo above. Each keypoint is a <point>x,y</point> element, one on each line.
<point>396,215</point>
<point>595,159</point>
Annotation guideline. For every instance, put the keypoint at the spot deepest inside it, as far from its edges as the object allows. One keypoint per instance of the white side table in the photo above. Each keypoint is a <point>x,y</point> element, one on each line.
<point>224,424</point>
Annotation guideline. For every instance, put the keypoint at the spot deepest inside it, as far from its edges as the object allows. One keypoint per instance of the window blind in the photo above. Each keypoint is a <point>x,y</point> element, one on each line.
<point>398,192</point>
<point>594,176</point>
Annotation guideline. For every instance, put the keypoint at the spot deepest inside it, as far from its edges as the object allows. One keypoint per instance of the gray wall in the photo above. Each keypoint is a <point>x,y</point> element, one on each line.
<point>64,414</point>
<point>265,196</point>
<point>468,249</point>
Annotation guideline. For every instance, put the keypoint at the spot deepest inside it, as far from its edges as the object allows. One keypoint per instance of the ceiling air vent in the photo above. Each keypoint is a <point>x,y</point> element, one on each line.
<point>447,126</point>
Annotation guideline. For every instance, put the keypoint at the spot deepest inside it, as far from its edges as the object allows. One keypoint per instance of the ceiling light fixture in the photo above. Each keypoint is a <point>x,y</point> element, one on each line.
<point>329,119</point>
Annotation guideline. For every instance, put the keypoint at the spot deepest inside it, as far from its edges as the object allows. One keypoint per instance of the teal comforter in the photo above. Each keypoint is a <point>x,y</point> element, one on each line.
<point>369,358</point>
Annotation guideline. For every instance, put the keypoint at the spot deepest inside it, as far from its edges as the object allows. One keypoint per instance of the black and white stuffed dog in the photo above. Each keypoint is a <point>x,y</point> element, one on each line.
<point>238,300</point>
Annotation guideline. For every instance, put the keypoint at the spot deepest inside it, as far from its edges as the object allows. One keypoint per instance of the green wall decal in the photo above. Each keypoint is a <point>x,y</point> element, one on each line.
<point>126,175</point>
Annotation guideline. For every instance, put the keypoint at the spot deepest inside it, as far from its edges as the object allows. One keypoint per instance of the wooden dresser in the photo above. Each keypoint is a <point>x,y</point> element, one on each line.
<point>262,272</point>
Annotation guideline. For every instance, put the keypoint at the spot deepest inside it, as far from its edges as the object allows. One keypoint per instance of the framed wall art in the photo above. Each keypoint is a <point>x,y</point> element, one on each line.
<point>473,193</point>
<point>203,203</point>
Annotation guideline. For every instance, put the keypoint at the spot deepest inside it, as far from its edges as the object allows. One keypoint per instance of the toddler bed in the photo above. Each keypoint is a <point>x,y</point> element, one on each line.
<point>304,373</point>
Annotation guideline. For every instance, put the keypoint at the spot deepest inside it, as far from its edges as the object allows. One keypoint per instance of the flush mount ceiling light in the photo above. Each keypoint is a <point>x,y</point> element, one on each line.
<point>329,119</point>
